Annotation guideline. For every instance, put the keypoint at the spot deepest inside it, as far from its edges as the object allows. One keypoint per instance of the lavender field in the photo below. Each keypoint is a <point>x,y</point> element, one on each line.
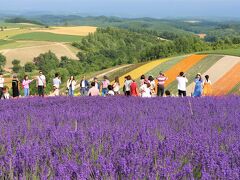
<point>120,138</point>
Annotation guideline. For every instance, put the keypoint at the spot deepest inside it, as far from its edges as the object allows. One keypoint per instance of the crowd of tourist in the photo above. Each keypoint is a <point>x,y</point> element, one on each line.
<point>146,87</point>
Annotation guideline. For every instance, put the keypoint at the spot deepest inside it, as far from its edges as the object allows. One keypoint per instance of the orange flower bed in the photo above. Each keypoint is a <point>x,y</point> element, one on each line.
<point>184,66</point>
<point>227,82</point>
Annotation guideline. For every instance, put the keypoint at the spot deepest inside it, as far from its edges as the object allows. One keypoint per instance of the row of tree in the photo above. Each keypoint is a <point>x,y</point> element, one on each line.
<point>111,46</point>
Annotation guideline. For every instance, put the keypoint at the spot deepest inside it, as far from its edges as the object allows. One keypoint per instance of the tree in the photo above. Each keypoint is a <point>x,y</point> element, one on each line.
<point>2,61</point>
<point>16,66</point>
<point>29,67</point>
<point>46,62</point>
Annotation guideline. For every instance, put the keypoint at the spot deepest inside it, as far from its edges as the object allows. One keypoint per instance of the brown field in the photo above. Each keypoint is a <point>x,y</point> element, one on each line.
<point>77,31</point>
<point>26,54</point>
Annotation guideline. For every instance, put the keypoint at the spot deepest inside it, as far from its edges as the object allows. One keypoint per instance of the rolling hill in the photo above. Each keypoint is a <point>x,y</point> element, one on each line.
<point>223,71</point>
<point>24,41</point>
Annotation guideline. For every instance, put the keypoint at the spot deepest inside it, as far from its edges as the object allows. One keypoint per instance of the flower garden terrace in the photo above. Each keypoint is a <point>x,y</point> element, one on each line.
<point>120,138</point>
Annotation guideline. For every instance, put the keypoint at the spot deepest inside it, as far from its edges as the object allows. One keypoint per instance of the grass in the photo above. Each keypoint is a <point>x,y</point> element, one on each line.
<point>200,67</point>
<point>10,44</point>
<point>123,71</point>
<point>235,90</point>
<point>4,42</point>
<point>6,34</point>
<point>45,36</point>
<point>17,25</point>
<point>231,52</point>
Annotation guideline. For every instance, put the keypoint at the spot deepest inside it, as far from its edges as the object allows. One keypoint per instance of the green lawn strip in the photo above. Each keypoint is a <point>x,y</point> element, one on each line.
<point>123,71</point>
<point>200,67</point>
<point>235,90</point>
<point>4,42</point>
<point>232,52</point>
<point>46,36</point>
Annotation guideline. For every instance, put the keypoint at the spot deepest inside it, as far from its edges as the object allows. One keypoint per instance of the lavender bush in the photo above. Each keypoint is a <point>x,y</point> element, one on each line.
<point>120,138</point>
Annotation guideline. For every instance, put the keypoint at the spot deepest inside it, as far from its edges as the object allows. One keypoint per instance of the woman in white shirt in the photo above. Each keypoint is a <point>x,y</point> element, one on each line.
<point>116,86</point>
<point>145,90</point>
<point>71,84</point>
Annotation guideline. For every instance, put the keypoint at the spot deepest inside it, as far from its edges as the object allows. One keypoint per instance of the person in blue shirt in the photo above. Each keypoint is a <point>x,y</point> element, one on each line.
<point>198,86</point>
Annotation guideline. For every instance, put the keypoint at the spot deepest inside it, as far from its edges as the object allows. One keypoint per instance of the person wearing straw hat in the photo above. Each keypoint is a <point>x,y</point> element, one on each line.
<point>198,86</point>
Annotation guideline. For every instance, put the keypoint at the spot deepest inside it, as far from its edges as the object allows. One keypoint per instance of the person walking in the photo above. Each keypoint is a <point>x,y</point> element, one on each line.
<point>93,91</point>
<point>1,85</point>
<point>198,86</point>
<point>84,86</point>
<point>41,84</point>
<point>161,81</point>
<point>134,89</point>
<point>25,85</point>
<point>105,84</point>
<point>71,84</point>
<point>116,86</point>
<point>182,84</point>
<point>127,84</point>
<point>207,86</point>
<point>15,87</point>
<point>56,85</point>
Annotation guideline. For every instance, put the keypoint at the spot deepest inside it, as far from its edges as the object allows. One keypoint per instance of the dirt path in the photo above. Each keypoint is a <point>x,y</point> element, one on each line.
<point>215,72</point>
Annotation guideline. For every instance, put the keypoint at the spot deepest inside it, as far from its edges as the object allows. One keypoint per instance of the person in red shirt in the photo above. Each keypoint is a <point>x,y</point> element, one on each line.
<point>134,89</point>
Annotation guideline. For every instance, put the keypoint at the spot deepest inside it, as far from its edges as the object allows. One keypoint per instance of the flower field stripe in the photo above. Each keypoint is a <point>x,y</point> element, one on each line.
<point>200,67</point>
<point>165,66</point>
<point>220,68</point>
<point>227,82</point>
<point>184,66</point>
<point>136,73</point>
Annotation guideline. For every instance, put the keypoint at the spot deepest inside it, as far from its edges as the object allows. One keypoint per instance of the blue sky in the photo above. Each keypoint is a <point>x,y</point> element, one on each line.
<point>131,8</point>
